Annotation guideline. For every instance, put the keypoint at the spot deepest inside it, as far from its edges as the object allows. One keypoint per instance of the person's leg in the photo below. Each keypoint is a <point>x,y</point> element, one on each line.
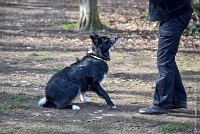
<point>169,87</point>
<point>163,96</point>
<point>179,96</point>
<point>173,28</point>
<point>167,49</point>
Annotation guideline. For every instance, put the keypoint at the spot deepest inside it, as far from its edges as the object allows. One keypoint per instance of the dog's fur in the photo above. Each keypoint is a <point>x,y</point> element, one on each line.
<point>84,75</point>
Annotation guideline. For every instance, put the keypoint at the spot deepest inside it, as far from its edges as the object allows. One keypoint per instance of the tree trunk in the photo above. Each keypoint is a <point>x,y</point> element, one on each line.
<point>196,7</point>
<point>89,16</point>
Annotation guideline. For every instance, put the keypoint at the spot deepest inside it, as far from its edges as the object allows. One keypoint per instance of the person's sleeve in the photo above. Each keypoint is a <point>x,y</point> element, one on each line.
<point>155,2</point>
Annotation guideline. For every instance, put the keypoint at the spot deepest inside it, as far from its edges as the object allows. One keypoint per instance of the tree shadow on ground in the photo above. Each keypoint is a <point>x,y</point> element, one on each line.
<point>125,114</point>
<point>134,76</point>
<point>20,47</point>
<point>146,77</point>
<point>188,113</point>
<point>189,76</point>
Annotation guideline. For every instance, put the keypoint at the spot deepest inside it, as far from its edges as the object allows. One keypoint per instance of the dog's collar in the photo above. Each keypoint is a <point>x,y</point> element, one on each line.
<point>96,57</point>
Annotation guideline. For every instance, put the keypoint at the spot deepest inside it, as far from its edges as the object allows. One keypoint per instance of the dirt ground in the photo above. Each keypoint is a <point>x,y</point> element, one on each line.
<point>33,47</point>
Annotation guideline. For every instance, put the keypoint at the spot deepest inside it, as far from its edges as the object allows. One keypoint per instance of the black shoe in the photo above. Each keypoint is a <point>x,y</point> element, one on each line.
<point>178,106</point>
<point>153,110</point>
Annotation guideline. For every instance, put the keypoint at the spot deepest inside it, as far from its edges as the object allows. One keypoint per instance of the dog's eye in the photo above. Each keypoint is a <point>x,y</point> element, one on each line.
<point>105,40</point>
<point>102,40</point>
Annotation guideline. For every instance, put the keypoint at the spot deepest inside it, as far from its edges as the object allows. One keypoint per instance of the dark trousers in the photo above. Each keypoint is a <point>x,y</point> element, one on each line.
<point>169,87</point>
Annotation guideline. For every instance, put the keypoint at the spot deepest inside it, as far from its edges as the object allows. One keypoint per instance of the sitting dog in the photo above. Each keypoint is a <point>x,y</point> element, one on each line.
<point>84,75</point>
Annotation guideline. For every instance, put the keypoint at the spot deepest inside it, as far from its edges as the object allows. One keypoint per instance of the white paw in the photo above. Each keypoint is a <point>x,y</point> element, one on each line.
<point>114,107</point>
<point>42,102</point>
<point>75,107</point>
<point>86,99</point>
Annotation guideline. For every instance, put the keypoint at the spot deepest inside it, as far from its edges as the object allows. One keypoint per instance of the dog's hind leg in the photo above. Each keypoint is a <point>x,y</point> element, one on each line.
<point>69,96</point>
<point>63,93</point>
<point>43,102</point>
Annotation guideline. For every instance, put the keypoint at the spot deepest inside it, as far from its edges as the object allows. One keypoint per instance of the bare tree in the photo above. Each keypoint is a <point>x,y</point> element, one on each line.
<point>89,16</point>
<point>196,6</point>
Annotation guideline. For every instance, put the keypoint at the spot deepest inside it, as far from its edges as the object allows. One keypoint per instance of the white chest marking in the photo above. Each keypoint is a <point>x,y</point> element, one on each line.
<point>104,77</point>
<point>84,98</point>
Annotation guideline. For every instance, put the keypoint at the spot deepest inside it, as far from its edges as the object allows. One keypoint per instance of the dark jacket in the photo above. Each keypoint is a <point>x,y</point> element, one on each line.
<point>163,10</point>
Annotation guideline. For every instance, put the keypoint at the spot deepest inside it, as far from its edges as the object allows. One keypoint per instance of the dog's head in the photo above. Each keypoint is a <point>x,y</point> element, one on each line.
<point>102,45</point>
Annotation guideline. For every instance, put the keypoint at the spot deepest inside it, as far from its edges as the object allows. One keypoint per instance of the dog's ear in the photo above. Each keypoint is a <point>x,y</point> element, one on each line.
<point>95,34</point>
<point>94,38</point>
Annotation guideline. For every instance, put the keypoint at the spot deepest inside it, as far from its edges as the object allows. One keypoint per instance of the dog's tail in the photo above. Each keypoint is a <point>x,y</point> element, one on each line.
<point>43,102</point>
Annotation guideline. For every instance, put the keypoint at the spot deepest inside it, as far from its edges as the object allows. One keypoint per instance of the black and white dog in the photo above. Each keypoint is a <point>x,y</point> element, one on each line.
<point>84,75</point>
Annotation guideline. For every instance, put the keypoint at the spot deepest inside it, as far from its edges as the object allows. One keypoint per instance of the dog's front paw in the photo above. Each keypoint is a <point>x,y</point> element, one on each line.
<point>112,107</point>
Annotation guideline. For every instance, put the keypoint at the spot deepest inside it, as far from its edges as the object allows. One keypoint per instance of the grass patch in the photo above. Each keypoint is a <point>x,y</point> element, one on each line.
<point>56,69</point>
<point>18,97</point>
<point>37,97</point>
<point>172,128</point>
<point>86,126</point>
<point>33,54</point>
<point>68,26</point>
<point>73,26</point>
<point>107,24</point>
<point>79,125</point>
<point>5,106</point>
<point>46,58</point>
<point>42,56</point>
<point>6,132</point>
<point>21,106</point>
